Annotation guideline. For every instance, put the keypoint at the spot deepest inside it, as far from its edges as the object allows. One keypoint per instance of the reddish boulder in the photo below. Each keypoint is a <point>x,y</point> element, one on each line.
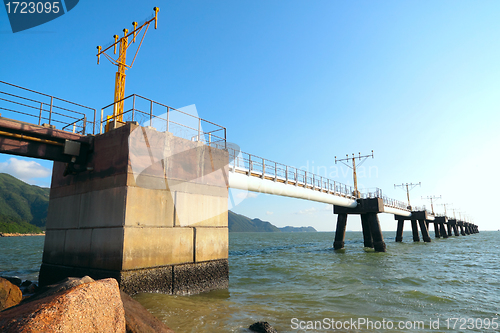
<point>10,294</point>
<point>88,307</point>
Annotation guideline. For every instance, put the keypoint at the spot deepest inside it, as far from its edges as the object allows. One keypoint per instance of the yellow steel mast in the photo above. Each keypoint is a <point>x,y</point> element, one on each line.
<point>121,62</point>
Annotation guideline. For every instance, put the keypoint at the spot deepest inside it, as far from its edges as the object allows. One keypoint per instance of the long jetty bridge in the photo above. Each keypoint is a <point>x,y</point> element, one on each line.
<point>147,205</point>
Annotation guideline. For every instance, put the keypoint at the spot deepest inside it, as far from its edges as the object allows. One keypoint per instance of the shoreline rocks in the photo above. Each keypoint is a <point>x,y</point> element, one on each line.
<point>262,327</point>
<point>79,305</point>
<point>10,294</point>
<point>4,234</point>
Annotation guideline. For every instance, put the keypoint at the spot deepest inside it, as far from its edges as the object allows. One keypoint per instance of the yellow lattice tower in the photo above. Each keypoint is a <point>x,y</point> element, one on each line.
<point>121,62</point>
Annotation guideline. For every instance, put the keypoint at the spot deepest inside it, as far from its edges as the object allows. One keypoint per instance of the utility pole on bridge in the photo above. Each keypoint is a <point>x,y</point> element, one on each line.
<point>444,205</point>
<point>353,167</point>
<point>409,187</point>
<point>431,198</point>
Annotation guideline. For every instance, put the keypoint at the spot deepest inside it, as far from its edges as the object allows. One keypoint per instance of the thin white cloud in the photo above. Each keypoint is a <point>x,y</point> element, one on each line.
<point>269,213</point>
<point>307,211</point>
<point>328,207</point>
<point>24,170</point>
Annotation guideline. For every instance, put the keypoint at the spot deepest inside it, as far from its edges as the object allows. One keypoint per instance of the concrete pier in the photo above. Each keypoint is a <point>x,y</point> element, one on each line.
<point>399,231</point>
<point>460,224</point>
<point>367,232</point>
<point>340,231</point>
<point>152,214</point>
<point>417,219</point>
<point>453,224</point>
<point>441,221</point>
<point>414,229</point>
<point>372,233</point>
<point>424,230</point>
<point>448,227</point>
<point>437,233</point>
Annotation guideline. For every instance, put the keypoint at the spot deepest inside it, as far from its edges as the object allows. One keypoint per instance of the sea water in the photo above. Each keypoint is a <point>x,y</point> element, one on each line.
<point>298,283</point>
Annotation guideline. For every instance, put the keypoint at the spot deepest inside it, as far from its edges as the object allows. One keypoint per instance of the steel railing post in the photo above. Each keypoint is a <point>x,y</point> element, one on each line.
<point>40,116</point>
<point>286,174</point>
<point>50,112</point>
<point>168,114</point>
<point>263,168</point>
<point>102,115</point>
<point>133,107</point>
<point>199,129</point>
<point>275,172</point>
<point>151,114</point>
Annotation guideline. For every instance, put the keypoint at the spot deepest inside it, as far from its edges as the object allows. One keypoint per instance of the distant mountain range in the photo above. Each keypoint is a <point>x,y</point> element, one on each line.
<point>23,209</point>
<point>240,223</point>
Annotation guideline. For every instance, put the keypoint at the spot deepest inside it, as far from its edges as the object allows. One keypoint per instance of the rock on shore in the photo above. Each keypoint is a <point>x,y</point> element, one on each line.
<point>10,294</point>
<point>79,305</point>
<point>88,307</point>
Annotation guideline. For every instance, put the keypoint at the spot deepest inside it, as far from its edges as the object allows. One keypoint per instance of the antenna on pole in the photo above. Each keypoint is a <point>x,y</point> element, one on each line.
<point>431,198</point>
<point>409,187</point>
<point>353,167</point>
<point>123,45</point>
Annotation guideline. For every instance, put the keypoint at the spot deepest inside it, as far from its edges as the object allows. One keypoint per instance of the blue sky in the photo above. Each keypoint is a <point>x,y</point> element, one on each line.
<point>299,82</point>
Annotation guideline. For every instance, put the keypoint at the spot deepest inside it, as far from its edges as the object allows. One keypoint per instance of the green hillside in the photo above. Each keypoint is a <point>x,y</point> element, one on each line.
<point>240,223</point>
<point>23,207</point>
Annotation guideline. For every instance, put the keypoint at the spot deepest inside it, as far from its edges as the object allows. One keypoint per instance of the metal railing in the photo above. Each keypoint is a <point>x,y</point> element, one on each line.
<point>48,109</point>
<point>165,119</point>
<point>270,170</point>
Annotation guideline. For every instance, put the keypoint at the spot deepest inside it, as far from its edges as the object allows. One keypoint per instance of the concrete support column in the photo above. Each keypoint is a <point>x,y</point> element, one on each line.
<point>367,234</point>
<point>424,230</point>
<point>378,238</point>
<point>455,230</point>
<point>340,232</point>
<point>414,229</point>
<point>462,231</point>
<point>437,234</point>
<point>442,230</point>
<point>448,226</point>
<point>399,232</point>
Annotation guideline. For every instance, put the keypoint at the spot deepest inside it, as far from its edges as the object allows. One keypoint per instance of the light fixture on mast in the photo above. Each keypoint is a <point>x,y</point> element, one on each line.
<point>353,167</point>
<point>121,62</point>
<point>409,187</point>
<point>432,198</point>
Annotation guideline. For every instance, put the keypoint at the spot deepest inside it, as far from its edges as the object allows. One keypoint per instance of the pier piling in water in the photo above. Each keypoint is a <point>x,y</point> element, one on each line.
<point>367,233</point>
<point>340,231</point>
<point>417,218</point>
<point>425,231</point>
<point>399,231</point>
<point>372,233</point>
<point>437,234</point>
<point>414,229</point>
